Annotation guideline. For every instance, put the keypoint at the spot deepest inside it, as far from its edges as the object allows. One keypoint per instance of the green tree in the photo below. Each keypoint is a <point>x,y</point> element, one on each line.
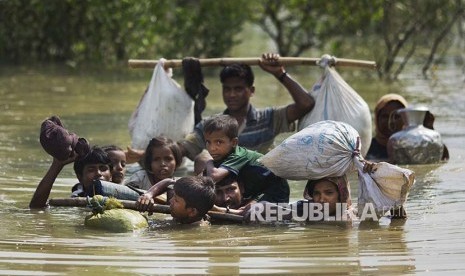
<point>203,28</point>
<point>296,26</point>
<point>395,31</point>
<point>111,31</point>
<point>415,29</point>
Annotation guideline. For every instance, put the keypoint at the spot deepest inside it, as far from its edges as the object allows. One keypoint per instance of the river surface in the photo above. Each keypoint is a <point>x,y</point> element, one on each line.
<point>97,105</point>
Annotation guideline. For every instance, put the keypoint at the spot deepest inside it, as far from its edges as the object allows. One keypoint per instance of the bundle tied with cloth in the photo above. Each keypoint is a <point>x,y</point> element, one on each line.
<point>332,149</point>
<point>57,141</point>
<point>60,143</point>
<point>336,100</point>
<point>109,214</point>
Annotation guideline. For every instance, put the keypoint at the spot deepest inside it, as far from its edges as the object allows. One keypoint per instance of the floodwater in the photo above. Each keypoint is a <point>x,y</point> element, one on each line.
<point>97,105</point>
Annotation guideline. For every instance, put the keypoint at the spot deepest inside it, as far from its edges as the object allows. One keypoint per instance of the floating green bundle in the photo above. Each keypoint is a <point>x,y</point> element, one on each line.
<point>107,214</point>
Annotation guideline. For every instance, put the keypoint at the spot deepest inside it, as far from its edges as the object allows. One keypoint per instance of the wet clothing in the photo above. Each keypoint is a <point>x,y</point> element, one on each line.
<point>376,151</point>
<point>139,179</point>
<point>262,126</point>
<point>193,83</point>
<point>259,183</point>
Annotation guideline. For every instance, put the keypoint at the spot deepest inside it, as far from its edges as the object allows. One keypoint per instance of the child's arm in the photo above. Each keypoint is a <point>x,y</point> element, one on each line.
<point>146,200</point>
<point>39,199</point>
<point>200,162</point>
<point>217,174</point>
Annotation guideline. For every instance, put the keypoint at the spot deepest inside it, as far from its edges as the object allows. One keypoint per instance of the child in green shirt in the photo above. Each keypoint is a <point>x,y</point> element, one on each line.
<point>227,158</point>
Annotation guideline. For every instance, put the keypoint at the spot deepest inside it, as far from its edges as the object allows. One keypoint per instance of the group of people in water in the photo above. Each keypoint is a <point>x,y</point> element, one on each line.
<point>225,149</point>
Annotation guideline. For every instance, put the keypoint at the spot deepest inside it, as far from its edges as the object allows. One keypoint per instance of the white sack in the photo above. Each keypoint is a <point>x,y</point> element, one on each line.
<point>335,100</point>
<point>386,187</point>
<point>165,109</point>
<point>320,150</point>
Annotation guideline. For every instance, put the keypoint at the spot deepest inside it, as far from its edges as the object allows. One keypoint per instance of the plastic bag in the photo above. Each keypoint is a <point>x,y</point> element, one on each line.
<point>164,109</point>
<point>320,150</point>
<point>336,100</point>
<point>386,187</point>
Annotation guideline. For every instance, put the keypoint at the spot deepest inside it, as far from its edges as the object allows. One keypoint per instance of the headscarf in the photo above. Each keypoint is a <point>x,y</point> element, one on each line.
<point>382,102</point>
<point>342,184</point>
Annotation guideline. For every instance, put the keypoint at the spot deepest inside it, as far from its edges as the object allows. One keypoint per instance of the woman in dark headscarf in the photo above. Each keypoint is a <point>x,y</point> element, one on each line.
<point>387,122</point>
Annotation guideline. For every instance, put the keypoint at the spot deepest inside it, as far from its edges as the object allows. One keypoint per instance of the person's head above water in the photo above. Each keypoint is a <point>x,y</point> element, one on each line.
<point>387,121</point>
<point>193,197</point>
<point>228,192</point>
<point>329,190</point>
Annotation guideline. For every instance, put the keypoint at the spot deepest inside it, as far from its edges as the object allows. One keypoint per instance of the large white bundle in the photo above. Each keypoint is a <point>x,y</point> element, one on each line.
<point>386,187</point>
<point>319,150</point>
<point>336,100</point>
<point>165,109</point>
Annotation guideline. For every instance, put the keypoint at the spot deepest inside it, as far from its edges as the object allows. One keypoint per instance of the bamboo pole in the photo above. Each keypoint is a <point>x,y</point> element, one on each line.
<point>128,204</point>
<point>288,61</point>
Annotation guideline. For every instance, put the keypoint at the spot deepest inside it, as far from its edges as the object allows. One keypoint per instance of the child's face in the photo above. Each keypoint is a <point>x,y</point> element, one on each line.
<point>219,145</point>
<point>228,195</point>
<point>118,161</point>
<point>178,208</point>
<point>92,172</point>
<point>326,192</point>
<point>163,163</point>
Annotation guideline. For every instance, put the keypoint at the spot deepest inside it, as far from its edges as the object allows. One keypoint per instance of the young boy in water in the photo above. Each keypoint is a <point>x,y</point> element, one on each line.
<point>95,165</point>
<point>92,166</point>
<point>227,158</point>
<point>193,197</point>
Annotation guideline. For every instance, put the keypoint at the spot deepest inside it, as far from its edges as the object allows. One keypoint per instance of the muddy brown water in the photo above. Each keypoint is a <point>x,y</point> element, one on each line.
<point>98,105</point>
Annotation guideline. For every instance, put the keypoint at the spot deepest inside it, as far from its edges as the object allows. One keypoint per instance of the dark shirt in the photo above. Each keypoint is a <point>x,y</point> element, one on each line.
<point>376,151</point>
<point>259,182</point>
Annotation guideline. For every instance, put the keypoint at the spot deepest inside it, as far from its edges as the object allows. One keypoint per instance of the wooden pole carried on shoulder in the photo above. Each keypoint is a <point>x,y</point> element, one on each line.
<point>287,61</point>
<point>128,204</point>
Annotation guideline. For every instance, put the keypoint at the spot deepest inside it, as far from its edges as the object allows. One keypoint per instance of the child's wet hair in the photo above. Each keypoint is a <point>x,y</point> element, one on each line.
<point>108,148</point>
<point>242,71</point>
<point>162,141</point>
<point>228,180</point>
<point>96,155</point>
<point>222,122</point>
<point>197,191</point>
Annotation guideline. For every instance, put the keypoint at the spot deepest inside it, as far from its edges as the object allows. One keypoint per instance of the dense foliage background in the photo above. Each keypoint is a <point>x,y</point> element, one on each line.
<point>392,32</point>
